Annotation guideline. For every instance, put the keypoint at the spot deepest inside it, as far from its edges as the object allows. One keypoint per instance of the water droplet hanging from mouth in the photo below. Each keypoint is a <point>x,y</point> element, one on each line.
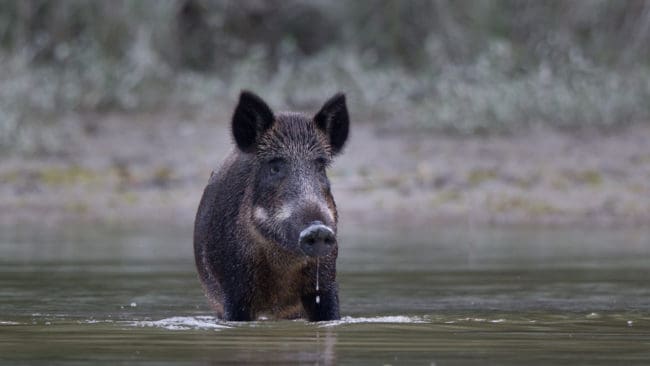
<point>317,270</point>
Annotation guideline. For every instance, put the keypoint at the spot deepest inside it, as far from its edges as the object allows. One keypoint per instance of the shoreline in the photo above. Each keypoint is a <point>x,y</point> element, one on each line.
<point>151,168</point>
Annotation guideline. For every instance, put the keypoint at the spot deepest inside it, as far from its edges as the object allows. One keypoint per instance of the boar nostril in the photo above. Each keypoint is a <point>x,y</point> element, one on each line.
<point>317,240</point>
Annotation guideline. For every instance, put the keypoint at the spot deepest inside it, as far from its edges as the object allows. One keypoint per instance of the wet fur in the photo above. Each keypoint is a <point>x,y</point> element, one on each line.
<point>244,272</point>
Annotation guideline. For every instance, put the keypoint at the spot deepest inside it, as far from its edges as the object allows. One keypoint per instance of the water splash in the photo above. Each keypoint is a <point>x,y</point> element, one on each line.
<point>94,321</point>
<point>8,323</point>
<point>394,319</point>
<point>183,323</point>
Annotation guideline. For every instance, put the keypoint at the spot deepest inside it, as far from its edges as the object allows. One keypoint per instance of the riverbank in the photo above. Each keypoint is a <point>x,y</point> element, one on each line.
<point>150,168</point>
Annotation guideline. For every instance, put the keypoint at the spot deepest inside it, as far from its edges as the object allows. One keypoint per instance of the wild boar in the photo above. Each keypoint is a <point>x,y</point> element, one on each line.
<point>265,235</point>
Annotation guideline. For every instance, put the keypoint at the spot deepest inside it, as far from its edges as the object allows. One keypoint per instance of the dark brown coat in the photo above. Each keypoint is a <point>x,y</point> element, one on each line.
<point>248,236</point>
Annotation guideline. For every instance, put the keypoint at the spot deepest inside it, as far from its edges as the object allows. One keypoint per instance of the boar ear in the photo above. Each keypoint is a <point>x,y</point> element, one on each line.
<point>334,121</point>
<point>252,117</point>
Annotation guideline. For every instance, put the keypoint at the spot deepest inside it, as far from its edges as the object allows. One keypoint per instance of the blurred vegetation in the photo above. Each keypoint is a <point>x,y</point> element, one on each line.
<point>465,66</point>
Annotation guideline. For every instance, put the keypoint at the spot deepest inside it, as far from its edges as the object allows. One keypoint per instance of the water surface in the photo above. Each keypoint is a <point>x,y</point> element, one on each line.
<point>449,296</point>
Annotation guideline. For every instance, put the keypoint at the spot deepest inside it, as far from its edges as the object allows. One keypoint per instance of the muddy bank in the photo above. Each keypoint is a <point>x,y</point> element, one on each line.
<point>151,169</point>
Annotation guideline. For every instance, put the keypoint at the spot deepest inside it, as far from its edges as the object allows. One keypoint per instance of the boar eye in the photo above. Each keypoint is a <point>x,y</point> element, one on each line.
<point>321,164</point>
<point>276,165</point>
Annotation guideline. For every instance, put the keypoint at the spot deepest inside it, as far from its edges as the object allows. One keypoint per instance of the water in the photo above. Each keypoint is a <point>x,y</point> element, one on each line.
<point>449,296</point>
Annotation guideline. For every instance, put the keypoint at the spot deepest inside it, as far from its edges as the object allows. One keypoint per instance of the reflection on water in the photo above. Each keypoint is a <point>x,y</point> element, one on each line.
<point>450,296</point>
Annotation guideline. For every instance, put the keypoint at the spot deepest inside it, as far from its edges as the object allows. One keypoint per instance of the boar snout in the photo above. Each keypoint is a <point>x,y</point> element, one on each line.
<point>317,239</point>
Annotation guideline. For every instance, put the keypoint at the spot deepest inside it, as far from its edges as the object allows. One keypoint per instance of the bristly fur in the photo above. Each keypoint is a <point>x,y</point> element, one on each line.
<point>270,188</point>
<point>293,135</point>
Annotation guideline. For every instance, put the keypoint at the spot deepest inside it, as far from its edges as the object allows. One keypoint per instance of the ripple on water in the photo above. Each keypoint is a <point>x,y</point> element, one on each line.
<point>476,320</point>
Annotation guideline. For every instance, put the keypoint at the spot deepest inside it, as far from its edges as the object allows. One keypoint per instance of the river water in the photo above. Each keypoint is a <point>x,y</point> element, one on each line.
<point>451,295</point>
